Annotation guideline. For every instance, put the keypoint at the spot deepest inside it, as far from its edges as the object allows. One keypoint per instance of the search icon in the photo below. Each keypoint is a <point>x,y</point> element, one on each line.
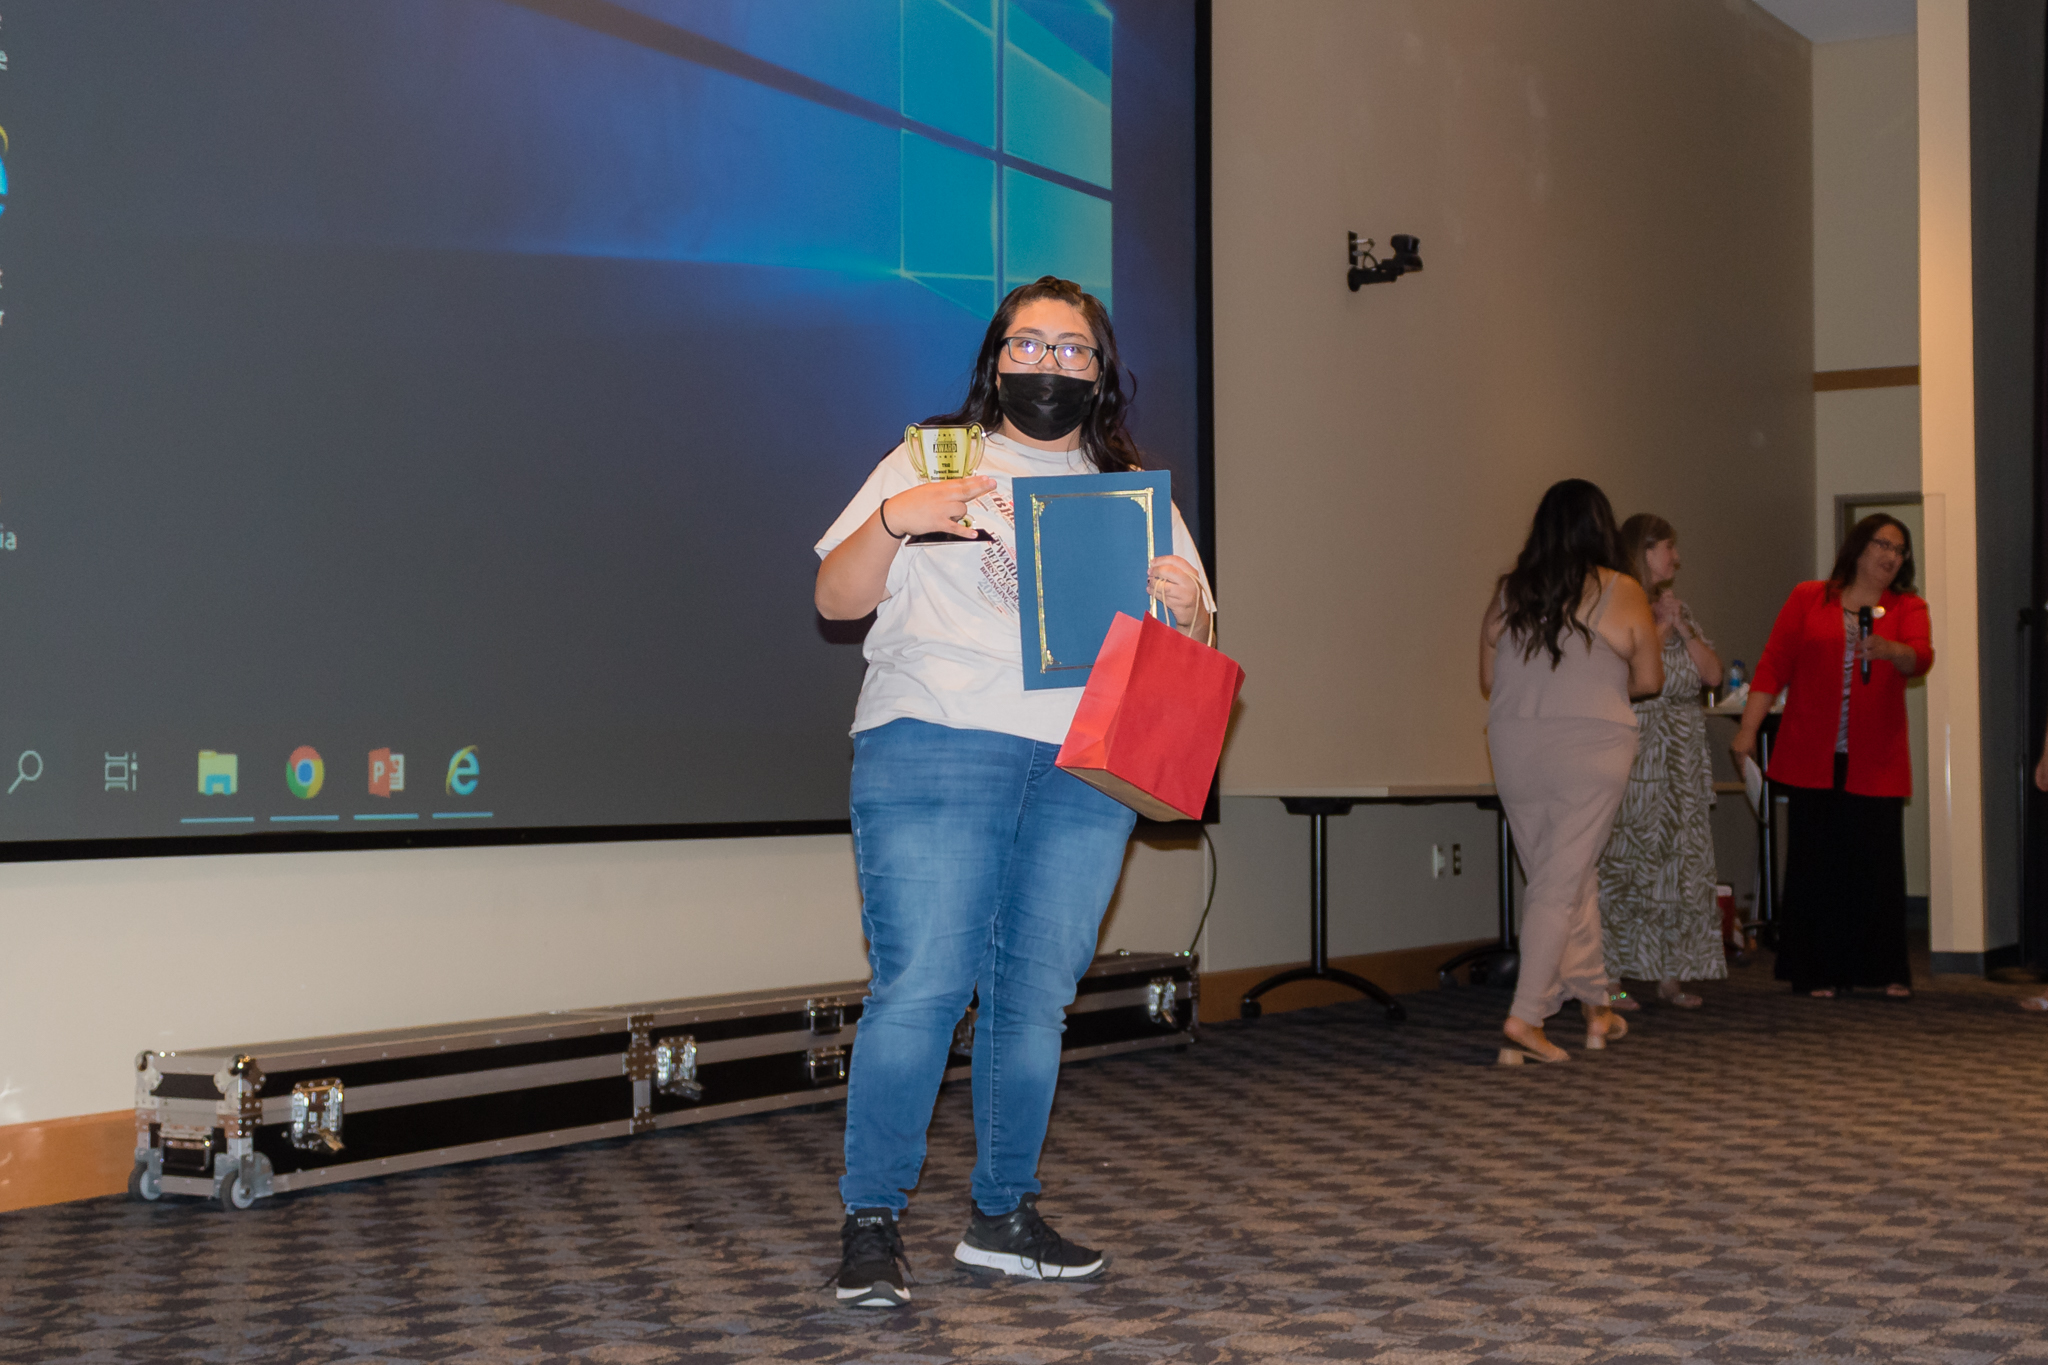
<point>21,772</point>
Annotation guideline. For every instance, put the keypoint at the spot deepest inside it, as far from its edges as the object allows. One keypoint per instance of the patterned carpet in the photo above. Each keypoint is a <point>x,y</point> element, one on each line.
<point>1767,1179</point>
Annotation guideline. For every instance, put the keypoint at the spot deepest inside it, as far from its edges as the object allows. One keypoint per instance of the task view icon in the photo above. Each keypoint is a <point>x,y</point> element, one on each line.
<point>122,771</point>
<point>216,773</point>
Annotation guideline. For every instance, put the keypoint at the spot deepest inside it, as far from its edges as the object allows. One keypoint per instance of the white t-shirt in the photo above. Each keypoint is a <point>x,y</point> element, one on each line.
<point>945,646</point>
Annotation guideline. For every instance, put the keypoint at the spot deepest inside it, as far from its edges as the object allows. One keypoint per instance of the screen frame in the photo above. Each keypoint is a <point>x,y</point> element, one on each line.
<point>1204,531</point>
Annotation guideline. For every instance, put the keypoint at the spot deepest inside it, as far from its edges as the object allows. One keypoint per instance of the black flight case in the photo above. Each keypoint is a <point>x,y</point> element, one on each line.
<point>240,1124</point>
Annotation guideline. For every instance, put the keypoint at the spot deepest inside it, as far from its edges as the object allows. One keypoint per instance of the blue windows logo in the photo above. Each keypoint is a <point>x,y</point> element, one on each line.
<point>996,167</point>
<point>1021,185</point>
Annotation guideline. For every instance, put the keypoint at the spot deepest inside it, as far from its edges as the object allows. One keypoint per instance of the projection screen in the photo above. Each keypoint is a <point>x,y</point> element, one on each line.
<point>415,415</point>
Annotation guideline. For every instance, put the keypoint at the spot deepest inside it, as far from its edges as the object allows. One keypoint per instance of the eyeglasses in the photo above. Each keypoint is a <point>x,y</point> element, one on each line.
<point>1068,355</point>
<point>1892,547</point>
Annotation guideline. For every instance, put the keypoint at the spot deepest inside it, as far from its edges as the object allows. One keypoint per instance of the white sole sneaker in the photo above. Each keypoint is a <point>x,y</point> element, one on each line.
<point>1007,1263</point>
<point>881,1294</point>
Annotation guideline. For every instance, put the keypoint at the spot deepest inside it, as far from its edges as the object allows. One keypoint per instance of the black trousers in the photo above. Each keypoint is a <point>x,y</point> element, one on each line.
<point>1844,920</point>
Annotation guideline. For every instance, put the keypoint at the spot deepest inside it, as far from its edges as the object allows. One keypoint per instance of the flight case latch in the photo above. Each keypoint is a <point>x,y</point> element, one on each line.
<point>316,1115</point>
<point>675,1068</point>
<point>826,1065</point>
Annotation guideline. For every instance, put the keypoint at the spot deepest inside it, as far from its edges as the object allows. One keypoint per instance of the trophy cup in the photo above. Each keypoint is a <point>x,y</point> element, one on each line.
<point>946,453</point>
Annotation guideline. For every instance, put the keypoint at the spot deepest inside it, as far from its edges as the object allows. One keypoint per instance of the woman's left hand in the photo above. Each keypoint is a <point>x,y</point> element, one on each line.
<point>1173,581</point>
<point>1885,651</point>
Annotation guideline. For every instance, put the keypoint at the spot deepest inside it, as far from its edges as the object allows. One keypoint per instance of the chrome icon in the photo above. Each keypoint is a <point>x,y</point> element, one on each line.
<point>305,772</point>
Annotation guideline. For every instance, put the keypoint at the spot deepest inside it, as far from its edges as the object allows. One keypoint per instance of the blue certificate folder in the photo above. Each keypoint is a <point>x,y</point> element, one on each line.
<point>1085,543</point>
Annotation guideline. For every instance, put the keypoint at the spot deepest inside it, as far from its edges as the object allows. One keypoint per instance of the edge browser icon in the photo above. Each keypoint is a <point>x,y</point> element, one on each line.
<point>463,770</point>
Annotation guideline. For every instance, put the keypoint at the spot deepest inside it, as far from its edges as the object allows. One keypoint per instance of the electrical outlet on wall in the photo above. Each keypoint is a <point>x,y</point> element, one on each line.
<point>1437,861</point>
<point>1457,860</point>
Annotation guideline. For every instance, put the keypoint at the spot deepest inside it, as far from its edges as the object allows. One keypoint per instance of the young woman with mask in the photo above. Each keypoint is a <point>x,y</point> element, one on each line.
<point>983,867</point>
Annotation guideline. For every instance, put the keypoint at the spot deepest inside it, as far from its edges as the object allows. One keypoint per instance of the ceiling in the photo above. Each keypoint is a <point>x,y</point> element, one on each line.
<point>1835,21</point>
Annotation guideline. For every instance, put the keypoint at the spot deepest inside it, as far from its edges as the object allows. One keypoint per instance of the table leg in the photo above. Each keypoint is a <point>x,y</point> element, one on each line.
<point>1766,921</point>
<point>1505,948</point>
<point>1319,811</point>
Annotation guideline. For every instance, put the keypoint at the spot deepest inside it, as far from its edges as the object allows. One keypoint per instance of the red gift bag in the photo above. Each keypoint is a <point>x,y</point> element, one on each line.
<point>1150,726</point>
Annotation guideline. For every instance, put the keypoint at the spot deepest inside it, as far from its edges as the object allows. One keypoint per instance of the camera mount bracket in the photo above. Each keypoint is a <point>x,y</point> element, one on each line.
<point>1367,268</point>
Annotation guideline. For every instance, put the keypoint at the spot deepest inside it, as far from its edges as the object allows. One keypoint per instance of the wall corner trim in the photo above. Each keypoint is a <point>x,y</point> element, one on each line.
<point>58,1160</point>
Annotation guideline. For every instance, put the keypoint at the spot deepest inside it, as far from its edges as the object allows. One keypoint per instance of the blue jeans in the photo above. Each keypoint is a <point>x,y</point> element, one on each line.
<point>982,867</point>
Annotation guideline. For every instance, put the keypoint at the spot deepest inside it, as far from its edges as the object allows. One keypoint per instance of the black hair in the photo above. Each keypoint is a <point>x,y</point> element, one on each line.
<point>1105,439</point>
<point>1572,537</point>
<point>1857,541</point>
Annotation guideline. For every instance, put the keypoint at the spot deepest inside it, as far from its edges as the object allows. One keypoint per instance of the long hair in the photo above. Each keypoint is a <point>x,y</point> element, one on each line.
<point>1105,440</point>
<point>1572,536</point>
<point>1638,534</point>
<point>1857,541</point>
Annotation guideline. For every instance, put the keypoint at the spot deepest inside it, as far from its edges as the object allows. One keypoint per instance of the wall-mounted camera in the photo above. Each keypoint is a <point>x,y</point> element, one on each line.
<point>1367,268</point>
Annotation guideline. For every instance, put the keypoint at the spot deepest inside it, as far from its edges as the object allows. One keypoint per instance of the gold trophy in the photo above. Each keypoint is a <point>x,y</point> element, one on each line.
<point>946,453</point>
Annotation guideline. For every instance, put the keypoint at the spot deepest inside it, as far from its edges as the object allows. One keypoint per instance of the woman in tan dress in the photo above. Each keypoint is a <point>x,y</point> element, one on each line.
<point>1658,919</point>
<point>1567,638</point>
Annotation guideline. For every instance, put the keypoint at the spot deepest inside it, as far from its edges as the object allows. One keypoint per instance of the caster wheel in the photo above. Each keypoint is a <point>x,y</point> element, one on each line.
<point>235,1197</point>
<point>145,1185</point>
<point>1250,1009</point>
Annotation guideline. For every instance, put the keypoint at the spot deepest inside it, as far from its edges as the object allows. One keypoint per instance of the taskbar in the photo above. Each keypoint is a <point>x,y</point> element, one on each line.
<point>298,839</point>
<point>374,817</point>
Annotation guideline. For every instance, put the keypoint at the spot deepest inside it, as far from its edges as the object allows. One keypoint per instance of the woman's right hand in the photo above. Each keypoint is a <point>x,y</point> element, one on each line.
<point>1741,747</point>
<point>1668,612</point>
<point>935,506</point>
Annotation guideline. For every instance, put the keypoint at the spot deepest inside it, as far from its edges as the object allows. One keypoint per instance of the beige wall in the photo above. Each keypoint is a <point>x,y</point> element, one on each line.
<point>104,959</point>
<point>1866,270</point>
<point>1866,204</point>
<point>1613,201</point>
<point>1948,481</point>
<point>107,958</point>
<point>1866,314</point>
<point>1611,198</point>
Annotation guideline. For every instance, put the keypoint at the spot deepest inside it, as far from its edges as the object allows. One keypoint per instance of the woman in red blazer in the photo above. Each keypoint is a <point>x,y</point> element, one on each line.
<point>1842,761</point>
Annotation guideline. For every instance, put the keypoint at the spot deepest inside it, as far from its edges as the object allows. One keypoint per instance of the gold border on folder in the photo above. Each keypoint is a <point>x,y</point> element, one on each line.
<point>1141,496</point>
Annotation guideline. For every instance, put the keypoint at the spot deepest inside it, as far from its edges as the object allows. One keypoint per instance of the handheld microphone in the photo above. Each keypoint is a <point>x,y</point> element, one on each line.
<point>1863,632</point>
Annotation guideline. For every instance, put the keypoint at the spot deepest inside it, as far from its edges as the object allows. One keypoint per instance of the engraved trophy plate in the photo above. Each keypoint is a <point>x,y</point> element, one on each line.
<point>946,453</point>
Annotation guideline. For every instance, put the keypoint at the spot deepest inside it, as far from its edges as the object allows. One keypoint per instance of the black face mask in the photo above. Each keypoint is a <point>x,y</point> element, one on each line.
<point>1044,407</point>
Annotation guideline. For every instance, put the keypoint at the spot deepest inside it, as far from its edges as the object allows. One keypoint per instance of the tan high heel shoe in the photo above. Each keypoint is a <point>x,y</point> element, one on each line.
<point>1602,1025</point>
<point>1529,1045</point>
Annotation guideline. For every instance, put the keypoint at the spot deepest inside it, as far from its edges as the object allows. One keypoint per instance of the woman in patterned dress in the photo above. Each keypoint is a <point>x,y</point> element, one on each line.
<point>1657,910</point>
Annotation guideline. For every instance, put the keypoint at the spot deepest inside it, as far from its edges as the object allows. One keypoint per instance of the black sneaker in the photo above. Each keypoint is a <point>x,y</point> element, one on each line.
<point>871,1261</point>
<point>1021,1243</point>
